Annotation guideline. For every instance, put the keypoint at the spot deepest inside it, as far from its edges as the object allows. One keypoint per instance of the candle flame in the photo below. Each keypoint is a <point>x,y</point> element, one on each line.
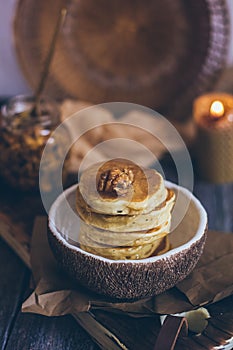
<point>217,109</point>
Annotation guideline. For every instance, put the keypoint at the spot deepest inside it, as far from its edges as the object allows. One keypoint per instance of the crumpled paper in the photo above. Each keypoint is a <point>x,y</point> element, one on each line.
<point>56,294</point>
<point>93,126</point>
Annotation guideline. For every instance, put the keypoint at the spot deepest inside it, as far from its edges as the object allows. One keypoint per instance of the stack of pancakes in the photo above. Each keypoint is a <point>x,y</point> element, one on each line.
<point>125,210</point>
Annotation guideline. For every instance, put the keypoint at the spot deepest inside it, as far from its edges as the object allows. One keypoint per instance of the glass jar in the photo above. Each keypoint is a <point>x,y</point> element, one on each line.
<point>23,136</point>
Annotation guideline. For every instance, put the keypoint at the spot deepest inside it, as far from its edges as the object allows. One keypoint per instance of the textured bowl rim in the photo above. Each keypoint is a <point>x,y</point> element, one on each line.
<point>198,235</point>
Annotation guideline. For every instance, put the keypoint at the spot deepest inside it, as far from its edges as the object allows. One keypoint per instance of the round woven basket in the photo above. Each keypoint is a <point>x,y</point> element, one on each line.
<point>161,54</point>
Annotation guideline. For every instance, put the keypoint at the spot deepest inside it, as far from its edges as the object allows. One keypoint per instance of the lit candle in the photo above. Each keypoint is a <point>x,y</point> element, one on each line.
<point>217,110</point>
<point>213,115</point>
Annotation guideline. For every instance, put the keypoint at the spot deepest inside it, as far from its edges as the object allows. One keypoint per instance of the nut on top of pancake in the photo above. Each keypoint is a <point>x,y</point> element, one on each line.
<point>119,186</point>
<point>121,178</point>
<point>115,181</point>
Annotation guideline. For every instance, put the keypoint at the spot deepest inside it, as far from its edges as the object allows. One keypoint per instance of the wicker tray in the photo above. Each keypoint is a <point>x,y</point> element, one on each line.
<point>161,54</point>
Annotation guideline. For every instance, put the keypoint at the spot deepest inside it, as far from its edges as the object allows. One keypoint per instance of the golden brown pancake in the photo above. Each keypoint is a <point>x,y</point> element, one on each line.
<point>129,239</point>
<point>124,253</point>
<point>126,223</point>
<point>121,187</point>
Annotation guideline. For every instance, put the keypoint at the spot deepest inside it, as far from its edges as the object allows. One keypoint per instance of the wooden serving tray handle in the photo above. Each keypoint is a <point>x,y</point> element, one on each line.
<point>172,328</point>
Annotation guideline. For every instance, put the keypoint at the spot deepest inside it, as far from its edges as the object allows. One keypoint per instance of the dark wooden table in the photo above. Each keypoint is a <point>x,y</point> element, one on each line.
<point>28,331</point>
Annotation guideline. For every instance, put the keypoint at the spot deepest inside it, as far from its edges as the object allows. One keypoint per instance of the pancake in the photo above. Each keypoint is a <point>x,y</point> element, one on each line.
<point>126,223</point>
<point>104,237</point>
<point>125,211</point>
<point>157,247</point>
<point>121,187</point>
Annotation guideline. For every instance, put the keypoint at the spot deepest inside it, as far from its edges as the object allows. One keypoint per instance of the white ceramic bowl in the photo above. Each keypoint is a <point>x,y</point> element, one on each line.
<point>129,279</point>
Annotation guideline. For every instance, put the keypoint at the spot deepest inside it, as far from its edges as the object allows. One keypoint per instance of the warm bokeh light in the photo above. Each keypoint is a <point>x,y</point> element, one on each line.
<point>217,109</point>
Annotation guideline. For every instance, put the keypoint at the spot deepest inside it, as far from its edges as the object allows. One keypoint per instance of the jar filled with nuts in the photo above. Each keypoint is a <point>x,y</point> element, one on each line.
<point>24,132</point>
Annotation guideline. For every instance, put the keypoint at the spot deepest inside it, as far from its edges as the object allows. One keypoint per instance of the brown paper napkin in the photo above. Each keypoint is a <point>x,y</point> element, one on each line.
<point>212,279</point>
<point>56,294</point>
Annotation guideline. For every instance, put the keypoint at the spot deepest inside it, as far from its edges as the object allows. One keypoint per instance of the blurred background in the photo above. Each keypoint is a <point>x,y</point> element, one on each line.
<point>12,80</point>
<point>164,55</point>
<point>94,60</point>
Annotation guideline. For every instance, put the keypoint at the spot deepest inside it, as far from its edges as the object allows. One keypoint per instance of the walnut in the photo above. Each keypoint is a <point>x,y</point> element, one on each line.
<point>116,180</point>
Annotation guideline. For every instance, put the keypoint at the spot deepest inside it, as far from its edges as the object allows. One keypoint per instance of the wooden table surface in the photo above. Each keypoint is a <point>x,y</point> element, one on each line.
<point>20,331</point>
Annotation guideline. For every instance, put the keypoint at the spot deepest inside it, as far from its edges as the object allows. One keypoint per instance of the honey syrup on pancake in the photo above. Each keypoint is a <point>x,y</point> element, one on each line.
<point>123,178</point>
